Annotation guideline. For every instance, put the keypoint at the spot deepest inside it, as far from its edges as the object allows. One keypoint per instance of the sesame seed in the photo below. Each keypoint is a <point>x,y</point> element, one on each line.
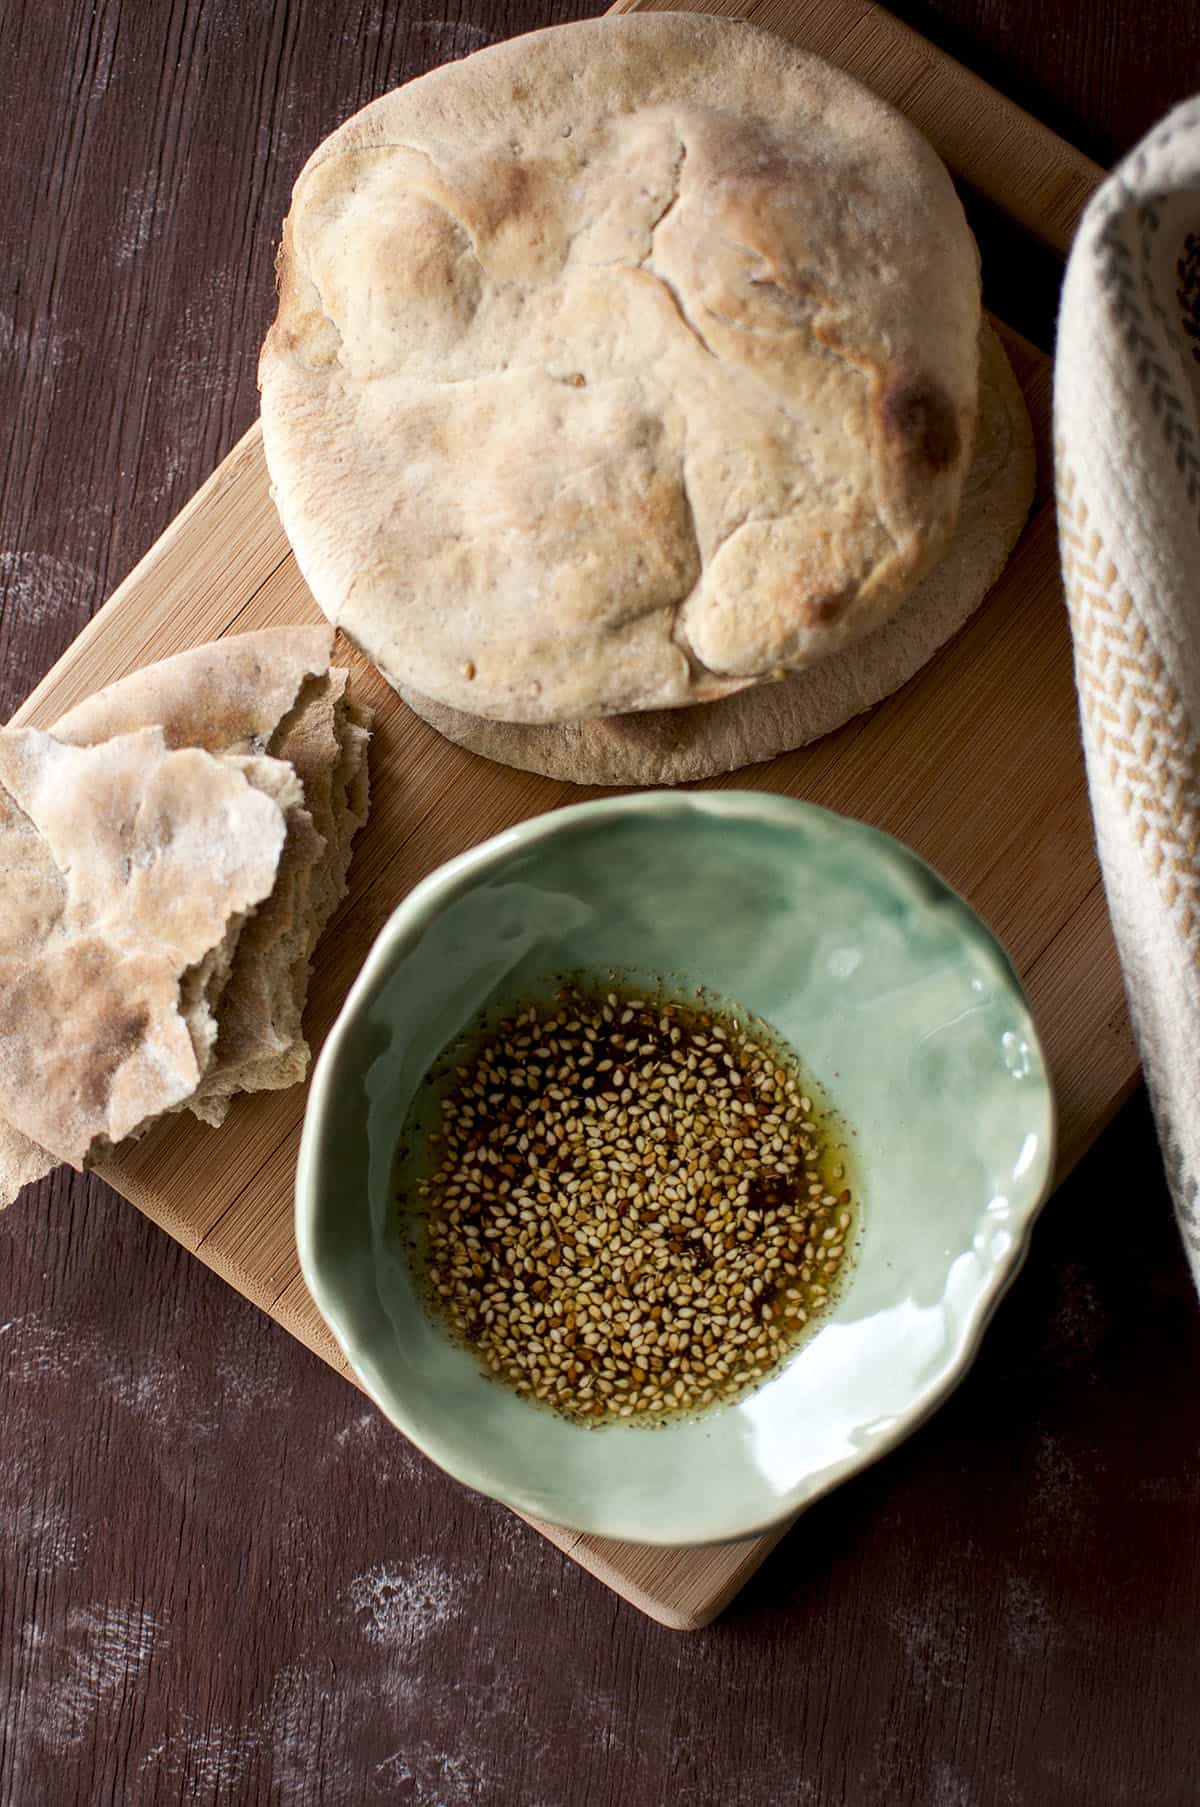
<point>618,1196</point>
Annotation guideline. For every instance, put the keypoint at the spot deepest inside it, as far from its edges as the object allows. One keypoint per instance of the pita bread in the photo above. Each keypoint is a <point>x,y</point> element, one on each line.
<point>228,696</point>
<point>261,1045</point>
<point>266,713</point>
<point>259,1035</point>
<point>620,367</point>
<point>680,746</point>
<point>272,689</point>
<point>157,851</point>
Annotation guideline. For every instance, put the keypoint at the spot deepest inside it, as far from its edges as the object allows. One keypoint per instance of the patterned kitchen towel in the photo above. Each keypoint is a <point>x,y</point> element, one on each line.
<point>1127,437</point>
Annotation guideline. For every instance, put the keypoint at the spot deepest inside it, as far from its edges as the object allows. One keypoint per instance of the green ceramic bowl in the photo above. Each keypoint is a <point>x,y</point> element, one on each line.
<point>899,1002</point>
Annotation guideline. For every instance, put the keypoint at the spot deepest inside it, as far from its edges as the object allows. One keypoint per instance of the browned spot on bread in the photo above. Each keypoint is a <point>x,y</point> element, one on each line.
<point>512,188</point>
<point>121,1041</point>
<point>922,417</point>
<point>820,610</point>
<point>300,326</point>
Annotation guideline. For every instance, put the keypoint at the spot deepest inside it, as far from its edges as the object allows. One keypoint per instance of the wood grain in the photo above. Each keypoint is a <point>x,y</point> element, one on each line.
<point>222,1580</point>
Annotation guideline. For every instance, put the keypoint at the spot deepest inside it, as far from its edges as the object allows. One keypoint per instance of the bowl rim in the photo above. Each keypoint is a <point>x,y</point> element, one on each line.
<point>406,922</point>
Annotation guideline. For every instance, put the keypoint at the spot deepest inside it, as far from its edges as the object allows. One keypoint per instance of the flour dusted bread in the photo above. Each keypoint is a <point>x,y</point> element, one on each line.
<point>169,853</point>
<point>619,368</point>
<point>677,746</point>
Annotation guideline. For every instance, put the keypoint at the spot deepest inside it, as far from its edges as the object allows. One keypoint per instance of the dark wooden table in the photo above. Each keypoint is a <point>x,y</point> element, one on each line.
<point>223,1579</point>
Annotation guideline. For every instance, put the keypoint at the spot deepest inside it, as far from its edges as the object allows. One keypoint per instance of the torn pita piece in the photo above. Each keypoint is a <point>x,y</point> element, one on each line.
<point>170,851</point>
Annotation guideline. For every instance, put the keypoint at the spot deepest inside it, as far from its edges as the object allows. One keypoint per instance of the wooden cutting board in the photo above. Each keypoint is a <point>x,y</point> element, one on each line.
<point>976,764</point>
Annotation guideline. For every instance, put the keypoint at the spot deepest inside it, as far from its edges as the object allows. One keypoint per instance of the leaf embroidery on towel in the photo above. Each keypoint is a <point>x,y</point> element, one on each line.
<point>1187,273</point>
<point>1134,712</point>
<point>1126,288</point>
